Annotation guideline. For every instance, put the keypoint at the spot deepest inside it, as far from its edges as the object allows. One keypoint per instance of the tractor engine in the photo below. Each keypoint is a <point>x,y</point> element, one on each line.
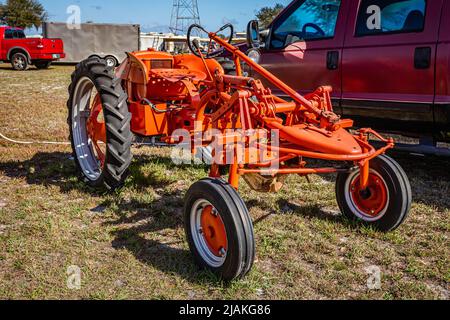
<point>152,78</point>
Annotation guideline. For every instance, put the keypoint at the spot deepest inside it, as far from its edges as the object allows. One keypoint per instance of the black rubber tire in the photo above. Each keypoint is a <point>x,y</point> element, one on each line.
<point>399,190</point>
<point>117,118</point>
<point>42,64</point>
<point>23,57</point>
<point>238,225</point>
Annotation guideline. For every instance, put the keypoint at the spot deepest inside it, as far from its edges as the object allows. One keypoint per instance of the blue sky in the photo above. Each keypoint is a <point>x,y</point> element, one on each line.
<point>154,15</point>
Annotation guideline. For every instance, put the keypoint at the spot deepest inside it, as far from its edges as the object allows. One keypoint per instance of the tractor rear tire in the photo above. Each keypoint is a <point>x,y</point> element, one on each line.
<point>385,204</point>
<point>219,229</point>
<point>113,173</point>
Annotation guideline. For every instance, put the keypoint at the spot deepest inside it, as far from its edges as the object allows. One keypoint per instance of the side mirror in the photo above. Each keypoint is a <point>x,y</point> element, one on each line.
<point>253,35</point>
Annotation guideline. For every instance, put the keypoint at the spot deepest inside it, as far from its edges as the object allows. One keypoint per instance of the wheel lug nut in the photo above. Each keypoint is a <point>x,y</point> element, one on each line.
<point>200,231</point>
<point>214,212</point>
<point>223,252</point>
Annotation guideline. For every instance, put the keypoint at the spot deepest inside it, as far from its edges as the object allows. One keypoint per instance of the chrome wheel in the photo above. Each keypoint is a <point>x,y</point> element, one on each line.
<point>19,62</point>
<point>88,152</point>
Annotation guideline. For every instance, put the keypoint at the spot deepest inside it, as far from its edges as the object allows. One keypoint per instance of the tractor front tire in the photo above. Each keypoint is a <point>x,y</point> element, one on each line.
<point>91,74</point>
<point>219,229</point>
<point>385,204</point>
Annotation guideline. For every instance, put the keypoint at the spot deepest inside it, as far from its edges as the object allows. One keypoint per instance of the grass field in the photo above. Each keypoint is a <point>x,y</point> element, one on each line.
<point>131,244</point>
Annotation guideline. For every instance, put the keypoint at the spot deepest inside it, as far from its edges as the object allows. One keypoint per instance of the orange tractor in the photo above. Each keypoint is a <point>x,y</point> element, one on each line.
<point>188,100</point>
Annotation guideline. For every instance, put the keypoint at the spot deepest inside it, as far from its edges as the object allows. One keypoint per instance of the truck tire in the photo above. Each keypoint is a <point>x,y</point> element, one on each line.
<point>110,169</point>
<point>19,61</point>
<point>387,201</point>
<point>42,64</point>
<point>219,229</point>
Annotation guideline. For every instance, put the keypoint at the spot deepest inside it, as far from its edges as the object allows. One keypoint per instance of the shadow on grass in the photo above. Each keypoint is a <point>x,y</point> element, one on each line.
<point>137,220</point>
<point>47,169</point>
<point>429,177</point>
<point>289,208</point>
<point>59,169</point>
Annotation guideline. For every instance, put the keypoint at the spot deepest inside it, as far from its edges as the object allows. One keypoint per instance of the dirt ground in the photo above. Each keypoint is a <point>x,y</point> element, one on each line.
<point>131,244</point>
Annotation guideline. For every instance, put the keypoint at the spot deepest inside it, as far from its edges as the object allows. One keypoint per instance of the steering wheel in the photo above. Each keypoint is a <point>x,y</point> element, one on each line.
<point>194,45</point>
<point>314,26</point>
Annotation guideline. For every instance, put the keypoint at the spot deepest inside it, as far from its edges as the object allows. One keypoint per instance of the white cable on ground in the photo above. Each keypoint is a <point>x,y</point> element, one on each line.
<point>33,142</point>
<point>137,144</point>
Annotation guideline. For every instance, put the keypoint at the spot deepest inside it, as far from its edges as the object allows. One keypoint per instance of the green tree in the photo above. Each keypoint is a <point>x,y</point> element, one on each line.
<point>266,15</point>
<point>2,13</point>
<point>22,13</point>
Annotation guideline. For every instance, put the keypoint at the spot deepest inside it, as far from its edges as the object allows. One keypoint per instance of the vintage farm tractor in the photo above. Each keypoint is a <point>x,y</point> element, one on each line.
<point>187,100</point>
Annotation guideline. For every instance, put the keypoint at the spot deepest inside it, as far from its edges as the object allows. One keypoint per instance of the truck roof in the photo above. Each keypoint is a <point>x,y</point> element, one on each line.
<point>8,27</point>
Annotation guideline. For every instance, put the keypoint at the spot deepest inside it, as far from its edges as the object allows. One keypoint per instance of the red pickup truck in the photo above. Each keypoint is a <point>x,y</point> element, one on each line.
<point>22,52</point>
<point>387,60</point>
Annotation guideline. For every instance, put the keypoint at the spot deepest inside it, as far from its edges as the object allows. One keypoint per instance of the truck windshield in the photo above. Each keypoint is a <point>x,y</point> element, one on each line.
<point>309,20</point>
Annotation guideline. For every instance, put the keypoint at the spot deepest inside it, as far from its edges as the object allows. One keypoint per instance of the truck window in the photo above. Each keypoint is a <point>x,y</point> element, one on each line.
<point>9,34</point>
<point>308,20</point>
<point>19,34</point>
<point>390,16</point>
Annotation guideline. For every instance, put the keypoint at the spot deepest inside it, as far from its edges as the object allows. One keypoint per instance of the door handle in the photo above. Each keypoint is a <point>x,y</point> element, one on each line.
<point>333,60</point>
<point>422,58</point>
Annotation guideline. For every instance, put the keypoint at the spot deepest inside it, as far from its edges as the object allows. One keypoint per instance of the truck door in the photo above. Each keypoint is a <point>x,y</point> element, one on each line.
<point>389,63</point>
<point>7,37</point>
<point>305,44</point>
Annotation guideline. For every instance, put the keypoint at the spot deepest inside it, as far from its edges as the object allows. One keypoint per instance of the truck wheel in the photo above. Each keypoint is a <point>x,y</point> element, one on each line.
<point>99,123</point>
<point>219,229</point>
<point>111,61</point>
<point>19,62</point>
<point>385,204</point>
<point>43,64</point>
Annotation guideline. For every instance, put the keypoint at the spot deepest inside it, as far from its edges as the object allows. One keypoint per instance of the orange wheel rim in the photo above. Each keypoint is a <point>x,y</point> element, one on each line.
<point>96,129</point>
<point>372,201</point>
<point>214,232</point>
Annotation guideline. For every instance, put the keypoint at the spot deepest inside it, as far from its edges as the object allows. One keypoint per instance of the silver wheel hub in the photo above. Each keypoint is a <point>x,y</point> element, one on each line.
<point>198,235</point>
<point>352,204</point>
<point>84,149</point>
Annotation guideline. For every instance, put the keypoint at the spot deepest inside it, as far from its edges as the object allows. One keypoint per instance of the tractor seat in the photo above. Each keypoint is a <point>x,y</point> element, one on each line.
<point>176,75</point>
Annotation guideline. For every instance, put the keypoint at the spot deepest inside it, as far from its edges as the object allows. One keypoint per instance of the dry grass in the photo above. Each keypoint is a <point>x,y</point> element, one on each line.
<point>131,245</point>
